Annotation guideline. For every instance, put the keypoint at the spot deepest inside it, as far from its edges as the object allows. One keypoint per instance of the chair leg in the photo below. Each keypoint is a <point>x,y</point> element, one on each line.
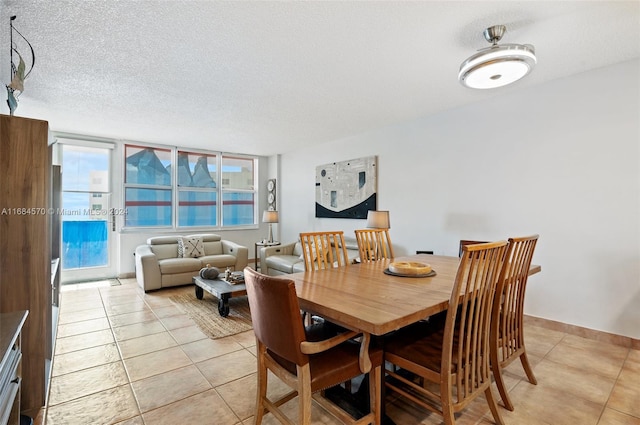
<point>304,417</point>
<point>261,391</point>
<point>497,374</point>
<point>447,405</point>
<point>493,406</point>
<point>304,395</point>
<point>527,368</point>
<point>448,416</point>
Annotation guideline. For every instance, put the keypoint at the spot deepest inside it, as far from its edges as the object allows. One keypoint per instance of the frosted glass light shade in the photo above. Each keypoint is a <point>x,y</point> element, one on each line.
<point>497,66</point>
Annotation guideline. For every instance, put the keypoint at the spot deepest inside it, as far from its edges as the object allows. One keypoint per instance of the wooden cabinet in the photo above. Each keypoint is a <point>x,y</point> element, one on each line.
<point>56,236</point>
<point>25,246</point>
<point>10,366</point>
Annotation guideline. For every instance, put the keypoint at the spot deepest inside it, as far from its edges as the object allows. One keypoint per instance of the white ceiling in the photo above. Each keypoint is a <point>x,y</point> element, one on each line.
<point>270,77</point>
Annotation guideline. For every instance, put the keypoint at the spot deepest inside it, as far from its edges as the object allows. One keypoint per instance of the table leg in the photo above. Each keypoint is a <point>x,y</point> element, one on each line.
<point>199,292</point>
<point>255,256</point>
<point>362,399</point>
<point>223,305</point>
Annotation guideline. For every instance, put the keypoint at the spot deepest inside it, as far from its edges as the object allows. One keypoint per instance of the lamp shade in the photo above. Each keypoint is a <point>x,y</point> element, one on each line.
<point>378,220</point>
<point>270,216</point>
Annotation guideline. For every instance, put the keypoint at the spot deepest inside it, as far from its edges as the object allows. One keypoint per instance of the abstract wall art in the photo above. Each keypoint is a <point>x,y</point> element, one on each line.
<point>347,189</point>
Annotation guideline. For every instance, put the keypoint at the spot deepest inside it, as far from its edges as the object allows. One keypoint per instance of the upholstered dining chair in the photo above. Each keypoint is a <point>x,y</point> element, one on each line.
<point>465,242</point>
<point>324,250</point>
<point>453,359</point>
<point>285,348</point>
<point>507,319</point>
<point>374,244</point>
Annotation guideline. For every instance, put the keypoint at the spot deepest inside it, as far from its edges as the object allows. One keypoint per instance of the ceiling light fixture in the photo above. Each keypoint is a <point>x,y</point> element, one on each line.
<point>498,65</point>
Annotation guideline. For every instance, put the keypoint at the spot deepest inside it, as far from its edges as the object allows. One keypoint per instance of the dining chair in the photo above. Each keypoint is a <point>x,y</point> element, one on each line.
<point>507,318</point>
<point>465,242</point>
<point>374,244</point>
<point>324,250</point>
<point>452,360</point>
<point>285,347</point>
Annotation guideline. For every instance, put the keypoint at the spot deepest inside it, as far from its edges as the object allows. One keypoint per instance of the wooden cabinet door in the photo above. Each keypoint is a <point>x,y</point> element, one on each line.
<point>25,253</point>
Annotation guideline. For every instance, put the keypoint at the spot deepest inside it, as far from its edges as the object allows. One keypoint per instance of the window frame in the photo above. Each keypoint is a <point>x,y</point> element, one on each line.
<point>181,189</point>
<point>176,189</point>
<point>142,186</point>
<point>228,190</point>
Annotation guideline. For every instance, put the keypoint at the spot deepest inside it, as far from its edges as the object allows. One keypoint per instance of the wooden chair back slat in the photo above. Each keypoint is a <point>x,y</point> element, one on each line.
<point>465,242</point>
<point>374,244</point>
<point>324,250</point>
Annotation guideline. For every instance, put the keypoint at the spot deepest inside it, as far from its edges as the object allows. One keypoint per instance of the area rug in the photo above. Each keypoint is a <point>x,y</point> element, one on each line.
<point>205,314</point>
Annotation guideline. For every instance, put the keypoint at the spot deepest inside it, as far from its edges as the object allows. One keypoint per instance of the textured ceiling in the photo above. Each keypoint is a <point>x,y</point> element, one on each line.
<point>271,77</point>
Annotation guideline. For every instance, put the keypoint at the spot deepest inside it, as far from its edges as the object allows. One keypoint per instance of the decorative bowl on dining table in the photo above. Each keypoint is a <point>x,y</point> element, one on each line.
<point>409,269</point>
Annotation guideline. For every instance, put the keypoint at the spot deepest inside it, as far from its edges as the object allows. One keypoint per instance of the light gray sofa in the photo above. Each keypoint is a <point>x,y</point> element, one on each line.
<point>159,266</point>
<point>286,259</point>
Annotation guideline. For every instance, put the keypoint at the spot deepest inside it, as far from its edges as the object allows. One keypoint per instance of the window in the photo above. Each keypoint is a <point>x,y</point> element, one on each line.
<point>238,191</point>
<point>155,196</point>
<point>147,187</point>
<point>197,189</point>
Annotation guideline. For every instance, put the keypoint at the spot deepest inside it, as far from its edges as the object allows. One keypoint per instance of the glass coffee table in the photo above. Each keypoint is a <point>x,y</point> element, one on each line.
<point>220,289</point>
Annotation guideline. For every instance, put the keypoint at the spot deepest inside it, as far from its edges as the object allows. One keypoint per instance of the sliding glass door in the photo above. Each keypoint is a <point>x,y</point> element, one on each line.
<point>88,219</point>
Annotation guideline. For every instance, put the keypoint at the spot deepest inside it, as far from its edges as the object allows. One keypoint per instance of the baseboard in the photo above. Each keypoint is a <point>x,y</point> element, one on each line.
<point>126,275</point>
<point>624,341</point>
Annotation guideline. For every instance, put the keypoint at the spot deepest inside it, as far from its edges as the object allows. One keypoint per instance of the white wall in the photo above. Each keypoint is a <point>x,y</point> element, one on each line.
<point>560,159</point>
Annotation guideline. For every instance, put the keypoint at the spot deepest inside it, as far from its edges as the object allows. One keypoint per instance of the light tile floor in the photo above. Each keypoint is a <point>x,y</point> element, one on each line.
<point>130,358</point>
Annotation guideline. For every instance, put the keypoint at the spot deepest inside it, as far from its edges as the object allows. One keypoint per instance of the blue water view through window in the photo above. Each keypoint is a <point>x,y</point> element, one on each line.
<point>84,244</point>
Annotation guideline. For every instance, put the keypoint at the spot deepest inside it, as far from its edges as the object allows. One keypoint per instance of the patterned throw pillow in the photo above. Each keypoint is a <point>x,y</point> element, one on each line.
<point>192,247</point>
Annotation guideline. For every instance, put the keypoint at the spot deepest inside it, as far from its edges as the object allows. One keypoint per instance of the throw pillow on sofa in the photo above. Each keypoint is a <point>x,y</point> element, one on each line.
<point>192,247</point>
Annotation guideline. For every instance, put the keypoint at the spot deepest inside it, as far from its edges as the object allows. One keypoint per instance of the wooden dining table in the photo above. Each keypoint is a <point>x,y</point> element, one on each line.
<point>362,297</point>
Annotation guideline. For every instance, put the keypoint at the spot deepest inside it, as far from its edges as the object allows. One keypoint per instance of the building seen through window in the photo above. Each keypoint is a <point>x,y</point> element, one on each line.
<point>150,188</point>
